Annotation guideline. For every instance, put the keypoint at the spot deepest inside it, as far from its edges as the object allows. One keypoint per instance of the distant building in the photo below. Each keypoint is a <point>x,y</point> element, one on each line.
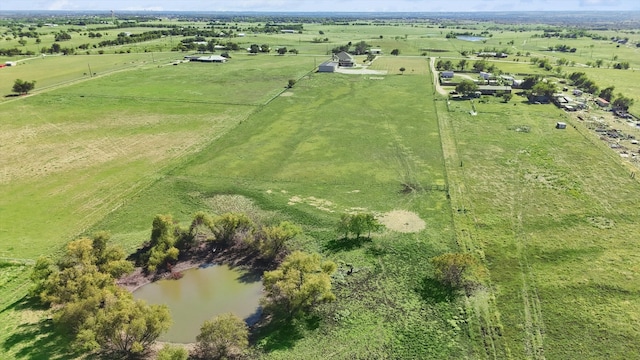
<point>447,74</point>
<point>345,59</point>
<point>287,31</point>
<point>11,63</point>
<point>602,102</point>
<point>375,51</point>
<point>485,75</point>
<point>210,58</point>
<point>494,89</point>
<point>328,66</point>
<point>577,92</point>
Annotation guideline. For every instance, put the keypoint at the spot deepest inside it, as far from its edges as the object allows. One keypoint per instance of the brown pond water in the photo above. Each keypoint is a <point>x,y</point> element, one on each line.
<point>200,295</point>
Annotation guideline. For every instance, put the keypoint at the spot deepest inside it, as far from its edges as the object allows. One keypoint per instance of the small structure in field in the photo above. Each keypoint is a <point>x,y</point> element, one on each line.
<point>328,66</point>
<point>447,74</point>
<point>494,89</point>
<point>561,125</point>
<point>210,58</point>
<point>602,102</point>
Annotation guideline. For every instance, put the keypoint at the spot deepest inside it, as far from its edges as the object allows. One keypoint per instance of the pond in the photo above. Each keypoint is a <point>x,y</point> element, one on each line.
<point>470,38</point>
<point>201,294</point>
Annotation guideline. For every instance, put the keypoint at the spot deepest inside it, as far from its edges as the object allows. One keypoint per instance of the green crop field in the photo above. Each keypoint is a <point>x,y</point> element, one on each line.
<point>106,142</point>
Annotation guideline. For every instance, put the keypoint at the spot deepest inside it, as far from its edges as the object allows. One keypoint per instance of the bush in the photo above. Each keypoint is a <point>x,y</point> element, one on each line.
<point>459,271</point>
<point>171,352</point>
<point>224,337</point>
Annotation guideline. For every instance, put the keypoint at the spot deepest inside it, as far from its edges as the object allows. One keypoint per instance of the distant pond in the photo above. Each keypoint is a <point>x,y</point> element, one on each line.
<point>201,294</point>
<point>470,38</point>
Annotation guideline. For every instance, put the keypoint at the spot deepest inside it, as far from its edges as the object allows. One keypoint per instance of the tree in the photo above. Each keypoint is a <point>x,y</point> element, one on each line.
<point>529,82</point>
<point>459,271</point>
<point>272,240</point>
<point>23,87</point>
<point>395,52</point>
<point>480,65</point>
<point>622,102</point>
<point>466,87</point>
<point>224,337</point>
<point>361,48</point>
<point>544,88</point>
<point>607,93</point>
<point>228,226</point>
<point>402,69</point>
<point>124,326</point>
<point>462,64</point>
<point>163,238</point>
<point>301,282</point>
<point>357,224</point>
<point>291,83</point>
<point>282,51</point>
<point>254,49</point>
<point>506,97</point>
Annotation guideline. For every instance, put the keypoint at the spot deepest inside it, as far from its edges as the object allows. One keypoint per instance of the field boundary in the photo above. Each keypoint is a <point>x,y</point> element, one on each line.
<point>483,317</point>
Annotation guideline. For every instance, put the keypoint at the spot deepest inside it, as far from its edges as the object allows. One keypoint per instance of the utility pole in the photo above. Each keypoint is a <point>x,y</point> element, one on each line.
<point>90,73</point>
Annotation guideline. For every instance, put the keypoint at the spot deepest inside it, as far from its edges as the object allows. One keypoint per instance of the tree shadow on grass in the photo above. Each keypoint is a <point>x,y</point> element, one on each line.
<point>282,334</point>
<point>38,340</point>
<point>346,244</point>
<point>433,291</point>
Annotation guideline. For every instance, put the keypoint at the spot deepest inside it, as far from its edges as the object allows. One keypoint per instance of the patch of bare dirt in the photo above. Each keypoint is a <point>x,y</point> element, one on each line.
<point>402,221</point>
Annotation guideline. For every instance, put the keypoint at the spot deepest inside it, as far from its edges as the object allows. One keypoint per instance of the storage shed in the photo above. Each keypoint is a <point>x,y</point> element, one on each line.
<point>328,66</point>
<point>561,125</point>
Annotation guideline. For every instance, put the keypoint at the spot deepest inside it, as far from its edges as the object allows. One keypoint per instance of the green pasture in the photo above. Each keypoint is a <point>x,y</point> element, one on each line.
<point>550,210</point>
<point>57,70</point>
<point>326,141</point>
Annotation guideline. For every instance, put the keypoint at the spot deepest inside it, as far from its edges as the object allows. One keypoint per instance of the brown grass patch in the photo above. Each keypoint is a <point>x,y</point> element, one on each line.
<point>402,221</point>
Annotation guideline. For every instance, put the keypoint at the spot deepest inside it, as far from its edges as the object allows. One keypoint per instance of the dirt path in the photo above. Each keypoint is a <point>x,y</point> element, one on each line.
<point>436,83</point>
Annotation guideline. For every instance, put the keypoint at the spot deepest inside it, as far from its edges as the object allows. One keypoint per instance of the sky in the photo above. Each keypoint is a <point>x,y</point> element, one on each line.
<point>324,5</point>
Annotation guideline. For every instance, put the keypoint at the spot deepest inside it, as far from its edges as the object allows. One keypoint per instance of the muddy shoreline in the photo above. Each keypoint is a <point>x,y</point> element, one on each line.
<point>201,257</point>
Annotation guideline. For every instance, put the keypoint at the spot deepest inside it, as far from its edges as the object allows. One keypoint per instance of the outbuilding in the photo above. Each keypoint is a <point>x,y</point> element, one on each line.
<point>561,125</point>
<point>328,66</point>
<point>602,102</point>
<point>447,74</point>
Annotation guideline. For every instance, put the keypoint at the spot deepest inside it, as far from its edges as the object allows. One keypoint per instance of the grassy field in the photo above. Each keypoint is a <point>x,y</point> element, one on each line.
<point>550,212</point>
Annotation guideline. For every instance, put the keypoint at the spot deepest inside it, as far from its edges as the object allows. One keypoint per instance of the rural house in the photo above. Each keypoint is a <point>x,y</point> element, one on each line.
<point>345,59</point>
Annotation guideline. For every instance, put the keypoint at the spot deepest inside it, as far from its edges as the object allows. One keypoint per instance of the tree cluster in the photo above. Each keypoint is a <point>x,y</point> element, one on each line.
<point>581,81</point>
<point>87,303</point>
<point>169,240</point>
